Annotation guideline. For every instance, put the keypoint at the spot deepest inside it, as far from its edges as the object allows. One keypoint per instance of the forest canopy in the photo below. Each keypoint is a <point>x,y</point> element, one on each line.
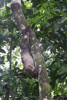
<point>48,20</point>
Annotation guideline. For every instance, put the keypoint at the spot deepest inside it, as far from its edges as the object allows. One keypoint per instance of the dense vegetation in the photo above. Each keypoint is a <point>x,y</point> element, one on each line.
<point>48,19</point>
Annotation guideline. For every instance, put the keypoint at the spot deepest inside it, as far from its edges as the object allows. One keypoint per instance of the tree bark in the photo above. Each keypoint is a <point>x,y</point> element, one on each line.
<point>44,87</point>
<point>1,3</point>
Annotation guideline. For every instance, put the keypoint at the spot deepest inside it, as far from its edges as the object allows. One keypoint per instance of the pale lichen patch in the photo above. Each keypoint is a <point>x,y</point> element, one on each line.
<point>40,88</point>
<point>45,99</point>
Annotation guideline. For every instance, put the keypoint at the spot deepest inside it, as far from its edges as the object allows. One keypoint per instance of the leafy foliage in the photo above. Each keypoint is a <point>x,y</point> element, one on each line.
<point>49,21</point>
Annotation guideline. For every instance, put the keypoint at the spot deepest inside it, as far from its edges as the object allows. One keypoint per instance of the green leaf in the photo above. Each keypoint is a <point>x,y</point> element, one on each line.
<point>63,14</point>
<point>16,63</point>
<point>1,70</point>
<point>56,27</point>
<point>24,8</point>
<point>1,89</point>
<point>2,60</point>
<point>2,50</point>
<point>8,57</point>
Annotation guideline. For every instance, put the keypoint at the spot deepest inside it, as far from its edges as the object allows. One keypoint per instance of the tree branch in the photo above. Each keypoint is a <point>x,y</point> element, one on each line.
<point>15,90</point>
<point>44,87</point>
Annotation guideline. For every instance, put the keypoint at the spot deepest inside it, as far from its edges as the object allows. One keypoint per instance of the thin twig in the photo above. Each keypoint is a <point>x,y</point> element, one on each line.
<point>6,7</point>
<point>15,90</point>
<point>10,58</point>
<point>7,92</point>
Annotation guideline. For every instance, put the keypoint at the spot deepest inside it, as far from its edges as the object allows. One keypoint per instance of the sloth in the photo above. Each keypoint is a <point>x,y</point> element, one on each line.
<point>27,59</point>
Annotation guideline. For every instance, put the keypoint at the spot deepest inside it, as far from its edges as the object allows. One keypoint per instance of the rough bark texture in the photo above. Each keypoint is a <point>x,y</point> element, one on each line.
<point>44,87</point>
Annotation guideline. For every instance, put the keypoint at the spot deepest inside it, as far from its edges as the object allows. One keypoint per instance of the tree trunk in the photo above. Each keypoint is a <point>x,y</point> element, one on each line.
<point>7,95</point>
<point>44,87</point>
<point>1,3</point>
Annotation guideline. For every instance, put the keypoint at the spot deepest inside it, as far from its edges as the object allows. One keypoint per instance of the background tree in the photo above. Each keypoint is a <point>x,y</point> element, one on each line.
<point>48,20</point>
